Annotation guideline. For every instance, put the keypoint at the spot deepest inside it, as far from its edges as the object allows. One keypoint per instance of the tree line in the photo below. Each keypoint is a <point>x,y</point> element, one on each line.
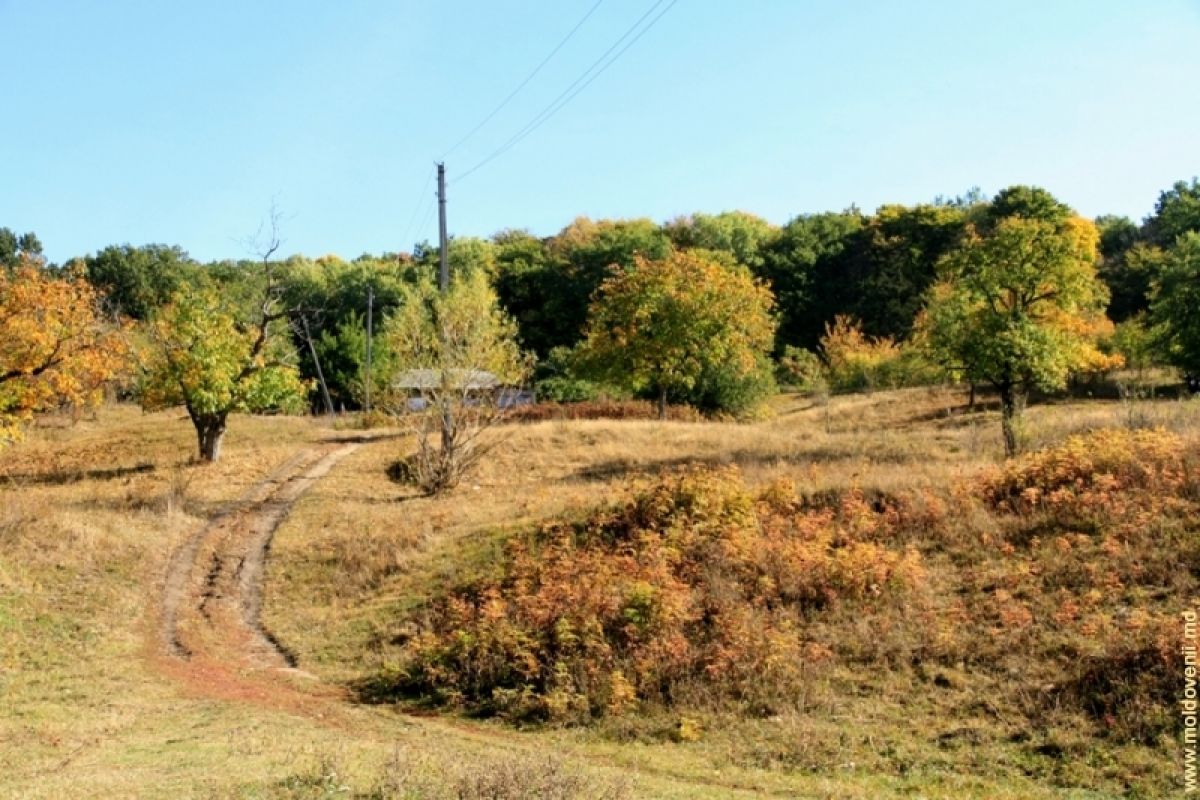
<point>1016,291</point>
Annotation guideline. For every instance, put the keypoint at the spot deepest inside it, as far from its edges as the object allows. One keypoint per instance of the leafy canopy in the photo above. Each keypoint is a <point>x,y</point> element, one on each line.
<point>463,329</point>
<point>1019,305</point>
<point>202,355</point>
<point>1176,304</point>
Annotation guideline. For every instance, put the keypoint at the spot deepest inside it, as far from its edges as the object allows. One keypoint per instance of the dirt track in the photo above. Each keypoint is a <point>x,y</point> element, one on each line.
<point>211,639</point>
<point>212,593</point>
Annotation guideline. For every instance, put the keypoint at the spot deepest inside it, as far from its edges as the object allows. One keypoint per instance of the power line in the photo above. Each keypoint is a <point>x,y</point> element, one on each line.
<point>579,84</point>
<point>408,229</point>
<point>523,83</point>
<point>428,216</point>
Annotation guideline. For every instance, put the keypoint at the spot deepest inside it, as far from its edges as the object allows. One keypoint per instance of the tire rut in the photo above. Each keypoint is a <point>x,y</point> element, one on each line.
<point>212,594</point>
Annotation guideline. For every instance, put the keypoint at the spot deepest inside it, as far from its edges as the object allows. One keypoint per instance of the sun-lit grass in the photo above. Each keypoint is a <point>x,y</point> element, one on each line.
<point>89,513</point>
<point>361,552</point>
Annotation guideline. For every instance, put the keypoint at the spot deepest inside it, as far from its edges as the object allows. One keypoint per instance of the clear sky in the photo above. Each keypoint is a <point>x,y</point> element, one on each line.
<point>182,122</point>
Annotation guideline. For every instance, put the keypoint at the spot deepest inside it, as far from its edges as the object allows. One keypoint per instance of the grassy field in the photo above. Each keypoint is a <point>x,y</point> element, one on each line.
<point>90,513</point>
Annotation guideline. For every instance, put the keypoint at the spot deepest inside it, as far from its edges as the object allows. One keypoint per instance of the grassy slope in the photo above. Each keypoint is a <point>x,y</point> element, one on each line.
<point>88,514</point>
<point>360,552</point>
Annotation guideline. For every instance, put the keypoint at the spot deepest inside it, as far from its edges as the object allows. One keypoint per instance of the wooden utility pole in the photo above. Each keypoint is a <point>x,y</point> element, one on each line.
<point>370,376</point>
<point>444,287</point>
<point>317,363</point>
<point>444,264</point>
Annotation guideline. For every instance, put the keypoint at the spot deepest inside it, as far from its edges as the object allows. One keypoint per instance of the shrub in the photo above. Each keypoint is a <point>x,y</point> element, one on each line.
<point>858,362</point>
<point>1133,341</point>
<point>803,370</point>
<point>694,581</point>
<point>564,389</point>
<point>1131,686</point>
<point>721,391</point>
<point>1098,479</point>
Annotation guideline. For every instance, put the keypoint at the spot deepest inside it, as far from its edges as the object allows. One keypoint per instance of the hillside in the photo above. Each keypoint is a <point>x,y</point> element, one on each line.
<point>970,678</point>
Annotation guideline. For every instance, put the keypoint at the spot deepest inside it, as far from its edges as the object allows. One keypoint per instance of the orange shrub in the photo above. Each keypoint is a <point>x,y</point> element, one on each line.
<point>1100,478</point>
<point>693,582</point>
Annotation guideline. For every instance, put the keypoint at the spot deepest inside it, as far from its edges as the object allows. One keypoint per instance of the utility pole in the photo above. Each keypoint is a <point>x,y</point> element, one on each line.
<point>370,377</point>
<point>444,264</point>
<point>317,363</point>
<point>444,287</point>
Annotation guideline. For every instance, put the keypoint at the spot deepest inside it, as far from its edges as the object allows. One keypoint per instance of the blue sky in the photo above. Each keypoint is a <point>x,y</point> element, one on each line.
<point>182,122</point>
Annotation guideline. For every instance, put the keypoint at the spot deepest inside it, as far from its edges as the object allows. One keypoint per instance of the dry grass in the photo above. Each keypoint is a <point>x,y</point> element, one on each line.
<point>90,511</point>
<point>361,553</point>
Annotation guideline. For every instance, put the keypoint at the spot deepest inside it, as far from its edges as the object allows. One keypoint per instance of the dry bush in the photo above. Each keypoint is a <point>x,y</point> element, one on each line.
<point>544,778</point>
<point>693,580</point>
<point>1112,482</point>
<point>1097,547</point>
<point>601,409</point>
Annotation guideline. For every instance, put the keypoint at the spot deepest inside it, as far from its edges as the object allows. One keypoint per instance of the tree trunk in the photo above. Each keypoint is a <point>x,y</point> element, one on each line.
<point>210,430</point>
<point>662,403</point>
<point>971,399</point>
<point>1011,405</point>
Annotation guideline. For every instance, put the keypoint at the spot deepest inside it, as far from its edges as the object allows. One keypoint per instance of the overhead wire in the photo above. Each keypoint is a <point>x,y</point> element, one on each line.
<point>525,82</point>
<point>594,71</point>
<point>417,206</point>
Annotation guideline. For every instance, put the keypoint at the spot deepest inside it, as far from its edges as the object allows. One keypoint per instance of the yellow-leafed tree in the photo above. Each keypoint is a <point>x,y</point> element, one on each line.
<point>55,347</point>
<point>1019,304</point>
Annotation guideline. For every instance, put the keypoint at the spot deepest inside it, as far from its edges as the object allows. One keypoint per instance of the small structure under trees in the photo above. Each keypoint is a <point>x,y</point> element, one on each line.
<point>459,361</point>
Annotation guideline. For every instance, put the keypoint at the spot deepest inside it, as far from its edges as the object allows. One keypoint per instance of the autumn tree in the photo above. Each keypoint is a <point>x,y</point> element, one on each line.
<point>547,290</point>
<point>660,326</point>
<point>1019,304</point>
<point>455,354</point>
<point>217,350</point>
<point>55,347</point>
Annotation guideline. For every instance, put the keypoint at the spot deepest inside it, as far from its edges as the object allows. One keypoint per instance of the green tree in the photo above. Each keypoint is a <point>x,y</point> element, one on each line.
<point>327,298</point>
<point>1026,202</point>
<point>1123,267</point>
<point>892,263</point>
<point>742,235</point>
<point>1175,306</point>
<point>801,264</point>
<point>1017,308</point>
<point>343,354</point>
<point>1177,212</point>
<point>14,248</point>
<point>211,355</point>
<point>138,280</point>
<point>458,350</point>
<point>662,326</point>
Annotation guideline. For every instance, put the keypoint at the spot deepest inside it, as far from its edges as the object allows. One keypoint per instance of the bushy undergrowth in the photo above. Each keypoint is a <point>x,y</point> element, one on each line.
<point>695,582</point>
<point>1098,553</point>
<point>1097,480</point>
